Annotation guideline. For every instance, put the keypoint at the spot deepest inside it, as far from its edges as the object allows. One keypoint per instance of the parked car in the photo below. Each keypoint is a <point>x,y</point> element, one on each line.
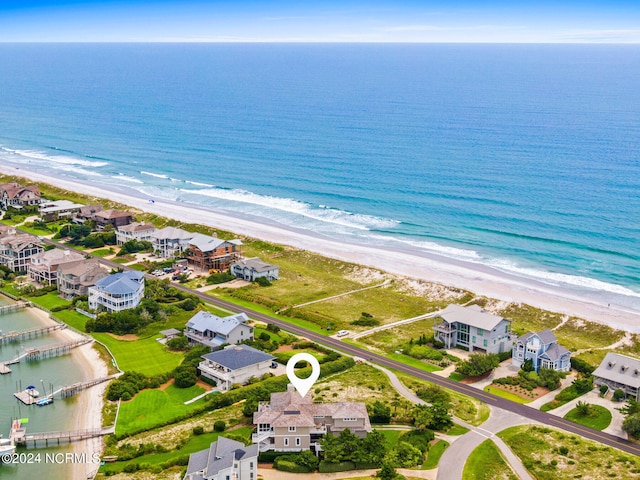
<point>342,333</point>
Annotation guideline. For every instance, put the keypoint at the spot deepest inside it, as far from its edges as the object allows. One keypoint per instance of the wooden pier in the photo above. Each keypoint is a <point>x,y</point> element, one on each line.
<point>15,337</point>
<point>70,390</point>
<point>14,307</point>
<point>47,351</point>
<point>21,437</point>
<point>4,369</point>
<point>25,398</point>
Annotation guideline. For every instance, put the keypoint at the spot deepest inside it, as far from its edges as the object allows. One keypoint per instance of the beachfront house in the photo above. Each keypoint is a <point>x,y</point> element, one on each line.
<point>115,218</point>
<point>117,292</point>
<point>473,329</point>
<point>74,279</point>
<point>43,266</point>
<point>16,250</point>
<point>135,231</point>
<point>619,372</point>
<point>55,209</point>
<point>225,459</point>
<point>234,365</point>
<point>212,253</point>
<point>86,213</point>
<point>252,268</point>
<point>204,328</point>
<point>17,196</point>
<point>543,350</point>
<point>170,241</point>
<point>292,423</point>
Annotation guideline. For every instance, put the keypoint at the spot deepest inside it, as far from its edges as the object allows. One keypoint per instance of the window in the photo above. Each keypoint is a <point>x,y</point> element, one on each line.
<point>349,419</point>
<point>480,332</point>
<point>297,442</point>
<point>251,465</point>
<point>286,442</point>
<point>292,429</point>
<point>506,328</point>
<point>485,342</point>
<point>473,339</point>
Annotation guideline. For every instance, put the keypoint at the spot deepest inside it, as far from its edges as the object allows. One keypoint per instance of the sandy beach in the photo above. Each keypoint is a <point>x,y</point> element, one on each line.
<point>480,279</point>
<point>89,402</point>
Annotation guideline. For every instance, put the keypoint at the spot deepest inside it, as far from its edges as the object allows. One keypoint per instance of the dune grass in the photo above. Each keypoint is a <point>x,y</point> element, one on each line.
<point>486,463</point>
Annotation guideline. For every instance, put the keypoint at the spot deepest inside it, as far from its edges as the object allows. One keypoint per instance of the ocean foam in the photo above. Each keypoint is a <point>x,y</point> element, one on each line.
<point>157,175</point>
<point>325,214</point>
<point>554,278</point>
<point>198,184</point>
<point>125,178</point>
<point>58,159</point>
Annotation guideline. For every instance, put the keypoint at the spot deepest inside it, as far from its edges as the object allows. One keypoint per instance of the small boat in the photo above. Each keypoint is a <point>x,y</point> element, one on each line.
<point>31,390</point>
<point>6,447</point>
<point>44,401</point>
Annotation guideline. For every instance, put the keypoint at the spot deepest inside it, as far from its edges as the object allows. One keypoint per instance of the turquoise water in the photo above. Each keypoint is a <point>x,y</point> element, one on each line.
<point>58,416</point>
<point>520,157</point>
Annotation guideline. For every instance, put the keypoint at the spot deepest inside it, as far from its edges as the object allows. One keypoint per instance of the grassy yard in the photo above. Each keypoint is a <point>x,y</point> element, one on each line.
<point>435,452</point>
<point>194,444</point>
<point>389,340</point>
<point>50,300</point>
<point>486,463</point>
<point>390,436</point>
<point>506,395</point>
<point>541,451</point>
<point>598,418</point>
<point>146,356</point>
<point>151,408</point>
<point>413,362</point>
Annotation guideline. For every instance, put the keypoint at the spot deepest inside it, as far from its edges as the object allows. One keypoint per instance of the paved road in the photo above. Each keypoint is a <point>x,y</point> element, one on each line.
<point>490,399</point>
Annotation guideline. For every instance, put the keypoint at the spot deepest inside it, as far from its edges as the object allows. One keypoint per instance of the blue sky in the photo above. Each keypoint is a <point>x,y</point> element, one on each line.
<point>605,21</point>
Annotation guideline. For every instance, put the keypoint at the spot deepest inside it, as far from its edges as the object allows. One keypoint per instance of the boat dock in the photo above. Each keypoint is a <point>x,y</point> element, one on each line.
<point>47,351</point>
<point>19,435</point>
<point>15,337</point>
<point>25,397</point>
<point>14,307</point>
<point>70,390</point>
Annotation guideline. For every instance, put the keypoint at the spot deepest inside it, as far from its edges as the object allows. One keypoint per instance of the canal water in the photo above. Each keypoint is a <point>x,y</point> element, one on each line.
<point>59,416</point>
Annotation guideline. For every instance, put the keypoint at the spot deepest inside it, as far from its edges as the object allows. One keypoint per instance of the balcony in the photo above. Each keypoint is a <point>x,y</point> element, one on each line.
<point>445,328</point>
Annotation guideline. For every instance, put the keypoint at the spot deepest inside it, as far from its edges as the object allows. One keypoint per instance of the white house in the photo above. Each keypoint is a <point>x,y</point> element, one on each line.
<point>117,292</point>
<point>234,364</point>
<point>543,350</point>
<point>134,231</point>
<point>54,209</point>
<point>472,328</point>
<point>619,372</point>
<point>225,459</point>
<point>169,241</point>
<point>213,331</point>
<point>252,268</point>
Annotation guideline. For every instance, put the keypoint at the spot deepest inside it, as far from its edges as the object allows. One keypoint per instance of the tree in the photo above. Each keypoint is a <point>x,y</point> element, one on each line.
<point>404,455</point>
<point>619,395</point>
<point>435,416</point>
<point>185,376</point>
<point>583,408</point>
<point>380,412</point>
<point>178,343</point>
<point>550,378</point>
<point>583,385</point>
<point>387,472</point>
<point>478,364</point>
<point>631,425</point>
<point>372,448</point>
<point>631,407</point>
<point>343,448</point>
<point>527,366</point>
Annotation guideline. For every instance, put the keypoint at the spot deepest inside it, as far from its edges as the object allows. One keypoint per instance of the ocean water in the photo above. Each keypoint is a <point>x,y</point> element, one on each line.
<point>522,157</point>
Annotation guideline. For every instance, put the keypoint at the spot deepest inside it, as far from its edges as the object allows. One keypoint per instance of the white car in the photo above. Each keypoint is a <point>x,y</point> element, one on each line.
<point>342,333</point>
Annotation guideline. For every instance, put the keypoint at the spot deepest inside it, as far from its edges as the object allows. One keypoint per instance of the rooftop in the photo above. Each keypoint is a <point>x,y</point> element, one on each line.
<point>136,227</point>
<point>121,283</point>
<point>256,264</point>
<point>172,233</point>
<point>238,356</point>
<point>545,336</point>
<point>219,456</point>
<point>203,321</point>
<point>620,369</point>
<point>473,315</point>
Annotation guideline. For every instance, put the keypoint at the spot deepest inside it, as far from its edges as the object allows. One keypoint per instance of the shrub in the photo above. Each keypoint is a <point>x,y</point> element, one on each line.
<point>219,426</point>
<point>619,395</point>
<point>581,366</point>
<point>326,467</point>
<point>262,281</point>
<point>198,430</point>
<point>185,376</point>
<point>603,389</point>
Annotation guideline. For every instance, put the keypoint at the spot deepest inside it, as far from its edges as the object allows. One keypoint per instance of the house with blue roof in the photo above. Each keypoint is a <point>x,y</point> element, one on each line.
<point>235,364</point>
<point>213,331</point>
<point>543,350</point>
<point>117,292</point>
<point>225,459</point>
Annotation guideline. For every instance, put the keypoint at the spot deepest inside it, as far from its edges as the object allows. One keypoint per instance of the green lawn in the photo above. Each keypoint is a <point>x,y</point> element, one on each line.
<point>456,377</point>
<point>50,300</point>
<point>103,252</point>
<point>506,395</point>
<point>413,362</point>
<point>486,463</point>
<point>457,430</point>
<point>435,452</point>
<point>151,408</point>
<point>599,418</point>
<point>391,436</point>
<point>146,356</point>
<point>72,318</point>
<point>194,444</point>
